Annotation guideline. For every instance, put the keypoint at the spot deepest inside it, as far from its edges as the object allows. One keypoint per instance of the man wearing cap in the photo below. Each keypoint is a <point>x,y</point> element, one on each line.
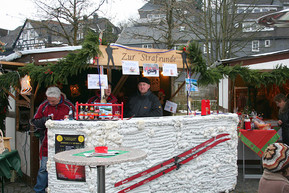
<point>275,163</point>
<point>144,103</point>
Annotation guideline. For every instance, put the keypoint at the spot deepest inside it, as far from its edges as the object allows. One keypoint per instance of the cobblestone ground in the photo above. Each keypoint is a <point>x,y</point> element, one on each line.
<point>243,186</point>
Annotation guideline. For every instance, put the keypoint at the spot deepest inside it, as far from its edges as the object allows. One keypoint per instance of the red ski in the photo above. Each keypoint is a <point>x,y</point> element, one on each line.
<point>174,160</point>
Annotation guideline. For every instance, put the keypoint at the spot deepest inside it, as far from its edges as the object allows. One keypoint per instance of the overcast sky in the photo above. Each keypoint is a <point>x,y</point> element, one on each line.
<point>14,12</point>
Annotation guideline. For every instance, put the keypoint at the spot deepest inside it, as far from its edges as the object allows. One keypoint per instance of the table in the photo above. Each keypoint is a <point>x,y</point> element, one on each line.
<point>257,141</point>
<point>67,157</point>
<point>8,161</point>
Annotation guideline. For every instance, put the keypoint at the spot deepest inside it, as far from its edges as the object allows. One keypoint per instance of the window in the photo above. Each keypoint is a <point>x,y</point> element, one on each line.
<point>207,50</point>
<point>267,43</point>
<point>147,46</point>
<point>256,10</point>
<point>182,28</point>
<point>255,46</point>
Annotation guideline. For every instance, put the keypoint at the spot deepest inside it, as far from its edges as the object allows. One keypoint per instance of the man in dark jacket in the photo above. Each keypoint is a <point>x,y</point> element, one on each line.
<point>55,107</point>
<point>144,103</point>
<point>282,102</point>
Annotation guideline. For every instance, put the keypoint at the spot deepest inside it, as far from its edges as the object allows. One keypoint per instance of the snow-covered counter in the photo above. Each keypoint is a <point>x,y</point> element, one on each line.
<point>215,170</point>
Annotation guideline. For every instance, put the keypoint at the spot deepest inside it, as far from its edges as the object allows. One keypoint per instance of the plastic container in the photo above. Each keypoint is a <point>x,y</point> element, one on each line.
<point>203,107</point>
<point>101,149</point>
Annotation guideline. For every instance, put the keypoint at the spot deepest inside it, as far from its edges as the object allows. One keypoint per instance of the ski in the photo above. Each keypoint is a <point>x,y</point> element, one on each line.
<point>172,160</point>
<point>171,168</point>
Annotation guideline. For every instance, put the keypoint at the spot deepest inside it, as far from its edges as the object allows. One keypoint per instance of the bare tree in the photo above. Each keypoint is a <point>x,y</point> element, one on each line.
<point>218,25</point>
<point>160,27</point>
<point>70,15</point>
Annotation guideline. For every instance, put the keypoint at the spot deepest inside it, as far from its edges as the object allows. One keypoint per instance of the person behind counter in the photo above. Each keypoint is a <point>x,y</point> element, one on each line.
<point>109,97</point>
<point>54,107</point>
<point>276,171</point>
<point>144,103</point>
<point>282,102</point>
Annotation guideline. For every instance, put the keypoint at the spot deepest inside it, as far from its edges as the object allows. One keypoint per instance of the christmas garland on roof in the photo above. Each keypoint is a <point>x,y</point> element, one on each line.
<point>52,74</point>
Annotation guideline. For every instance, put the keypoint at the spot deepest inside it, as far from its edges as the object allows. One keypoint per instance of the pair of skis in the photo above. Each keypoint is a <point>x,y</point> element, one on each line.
<point>177,160</point>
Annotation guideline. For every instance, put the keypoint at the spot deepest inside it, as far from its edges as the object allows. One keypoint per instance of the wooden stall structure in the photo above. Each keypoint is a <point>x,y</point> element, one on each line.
<point>25,105</point>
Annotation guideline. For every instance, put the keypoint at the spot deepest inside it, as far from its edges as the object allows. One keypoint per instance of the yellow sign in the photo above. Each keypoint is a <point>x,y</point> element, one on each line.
<point>115,54</point>
<point>59,138</point>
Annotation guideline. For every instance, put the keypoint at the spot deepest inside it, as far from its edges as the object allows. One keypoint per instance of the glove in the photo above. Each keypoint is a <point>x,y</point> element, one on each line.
<point>39,123</point>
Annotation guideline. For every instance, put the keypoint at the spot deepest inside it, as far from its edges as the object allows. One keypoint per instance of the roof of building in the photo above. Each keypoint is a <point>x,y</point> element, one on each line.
<point>19,54</point>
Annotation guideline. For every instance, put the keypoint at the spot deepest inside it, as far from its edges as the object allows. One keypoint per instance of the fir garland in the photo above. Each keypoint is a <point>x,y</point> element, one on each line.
<point>212,75</point>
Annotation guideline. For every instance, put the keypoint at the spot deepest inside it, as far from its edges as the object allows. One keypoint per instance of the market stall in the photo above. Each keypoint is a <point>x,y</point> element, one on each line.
<point>212,170</point>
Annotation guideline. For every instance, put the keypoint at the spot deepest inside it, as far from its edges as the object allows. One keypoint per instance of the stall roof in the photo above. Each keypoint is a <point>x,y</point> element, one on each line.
<point>19,54</point>
<point>264,61</point>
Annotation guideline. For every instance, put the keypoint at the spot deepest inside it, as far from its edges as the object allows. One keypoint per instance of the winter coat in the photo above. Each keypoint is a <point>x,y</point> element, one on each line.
<point>147,105</point>
<point>284,117</point>
<point>110,99</point>
<point>41,116</point>
<point>273,183</point>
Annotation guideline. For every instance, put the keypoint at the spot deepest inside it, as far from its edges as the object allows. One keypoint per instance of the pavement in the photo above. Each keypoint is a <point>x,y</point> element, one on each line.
<point>243,185</point>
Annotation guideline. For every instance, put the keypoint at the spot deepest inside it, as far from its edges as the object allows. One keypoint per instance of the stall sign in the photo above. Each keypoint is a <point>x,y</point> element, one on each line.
<point>170,69</point>
<point>97,81</point>
<point>171,106</point>
<point>66,171</point>
<point>151,70</point>
<point>130,67</point>
<point>191,85</point>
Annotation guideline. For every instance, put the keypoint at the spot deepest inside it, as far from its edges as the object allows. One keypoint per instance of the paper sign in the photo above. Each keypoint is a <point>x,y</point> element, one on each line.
<point>105,111</point>
<point>151,70</point>
<point>171,107</point>
<point>130,67</point>
<point>191,85</point>
<point>170,69</point>
<point>96,81</point>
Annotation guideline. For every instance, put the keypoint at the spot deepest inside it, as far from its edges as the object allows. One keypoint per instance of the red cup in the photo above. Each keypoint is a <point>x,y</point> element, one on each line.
<point>247,125</point>
<point>101,149</point>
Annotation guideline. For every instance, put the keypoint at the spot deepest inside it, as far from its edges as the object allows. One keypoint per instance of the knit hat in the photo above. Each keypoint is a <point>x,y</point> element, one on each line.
<point>144,79</point>
<point>276,157</point>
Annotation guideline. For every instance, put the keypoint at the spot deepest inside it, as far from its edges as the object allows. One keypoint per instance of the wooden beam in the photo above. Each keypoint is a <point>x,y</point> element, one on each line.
<point>10,94</point>
<point>119,84</point>
<point>36,90</point>
<point>177,90</point>
<point>24,96</point>
<point>13,63</point>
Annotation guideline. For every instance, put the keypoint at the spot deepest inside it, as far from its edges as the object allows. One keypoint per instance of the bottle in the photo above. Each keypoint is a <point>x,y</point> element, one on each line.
<point>247,123</point>
<point>70,114</point>
<point>86,113</point>
<point>91,116</point>
<point>96,112</point>
<point>81,112</point>
<point>203,107</point>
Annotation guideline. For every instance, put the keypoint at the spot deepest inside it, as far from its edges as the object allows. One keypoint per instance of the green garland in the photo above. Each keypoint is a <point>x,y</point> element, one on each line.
<point>212,75</point>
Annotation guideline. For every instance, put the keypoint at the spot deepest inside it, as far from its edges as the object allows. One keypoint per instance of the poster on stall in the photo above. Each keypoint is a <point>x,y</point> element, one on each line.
<point>66,171</point>
<point>170,69</point>
<point>151,70</point>
<point>96,81</point>
<point>130,67</point>
<point>191,85</point>
<point>171,106</point>
<point>105,111</point>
